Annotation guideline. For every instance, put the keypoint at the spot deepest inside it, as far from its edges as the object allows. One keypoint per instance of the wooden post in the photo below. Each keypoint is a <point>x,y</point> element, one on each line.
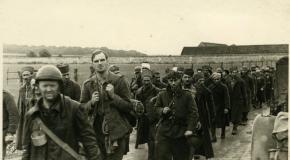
<point>7,75</point>
<point>76,74</point>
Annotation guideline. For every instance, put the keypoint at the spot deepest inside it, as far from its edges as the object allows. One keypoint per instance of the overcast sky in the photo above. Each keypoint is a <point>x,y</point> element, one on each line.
<point>150,26</point>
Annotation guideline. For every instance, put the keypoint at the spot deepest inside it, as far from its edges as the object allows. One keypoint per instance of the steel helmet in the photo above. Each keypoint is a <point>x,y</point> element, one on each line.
<point>48,72</point>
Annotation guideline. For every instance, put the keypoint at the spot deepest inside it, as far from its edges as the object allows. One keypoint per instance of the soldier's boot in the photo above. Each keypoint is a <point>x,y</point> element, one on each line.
<point>223,135</point>
<point>213,133</point>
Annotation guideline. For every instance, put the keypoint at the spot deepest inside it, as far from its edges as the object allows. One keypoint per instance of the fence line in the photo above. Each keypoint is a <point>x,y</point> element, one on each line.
<point>214,65</point>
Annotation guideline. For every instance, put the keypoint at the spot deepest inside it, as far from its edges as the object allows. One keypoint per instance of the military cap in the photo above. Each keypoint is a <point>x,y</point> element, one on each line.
<point>216,75</point>
<point>235,68</point>
<point>146,73</point>
<point>63,68</point>
<point>219,70</point>
<point>198,76</point>
<point>188,71</point>
<point>114,68</point>
<point>173,75</point>
<point>27,68</point>
<point>198,69</point>
<point>145,65</point>
<point>206,67</point>
<point>180,69</point>
<point>137,69</point>
<point>244,68</point>
<point>174,69</point>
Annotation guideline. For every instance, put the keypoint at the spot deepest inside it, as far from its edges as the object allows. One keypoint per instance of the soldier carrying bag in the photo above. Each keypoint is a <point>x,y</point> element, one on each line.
<point>58,141</point>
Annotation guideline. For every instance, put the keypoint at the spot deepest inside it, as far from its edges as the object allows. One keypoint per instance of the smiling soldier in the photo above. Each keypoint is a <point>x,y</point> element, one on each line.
<point>53,126</point>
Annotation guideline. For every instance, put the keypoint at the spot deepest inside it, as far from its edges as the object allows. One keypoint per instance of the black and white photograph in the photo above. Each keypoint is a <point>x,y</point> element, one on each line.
<point>144,80</point>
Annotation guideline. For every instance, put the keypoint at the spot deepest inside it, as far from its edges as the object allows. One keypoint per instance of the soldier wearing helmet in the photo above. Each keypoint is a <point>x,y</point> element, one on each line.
<point>70,88</point>
<point>62,116</point>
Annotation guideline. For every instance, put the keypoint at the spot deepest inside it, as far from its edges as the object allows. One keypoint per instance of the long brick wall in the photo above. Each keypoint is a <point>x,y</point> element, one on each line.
<point>150,59</point>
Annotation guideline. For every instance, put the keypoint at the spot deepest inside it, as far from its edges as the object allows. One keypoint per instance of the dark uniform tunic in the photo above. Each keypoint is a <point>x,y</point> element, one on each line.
<point>249,85</point>
<point>261,89</point>
<point>206,110</point>
<point>10,116</point>
<point>72,89</point>
<point>238,99</point>
<point>112,113</point>
<point>23,104</point>
<point>66,121</point>
<point>221,101</point>
<point>144,124</point>
<point>170,139</point>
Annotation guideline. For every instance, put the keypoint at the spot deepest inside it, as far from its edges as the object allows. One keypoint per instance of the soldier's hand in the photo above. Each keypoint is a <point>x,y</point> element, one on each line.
<point>198,126</point>
<point>110,90</point>
<point>188,133</point>
<point>165,110</point>
<point>95,97</point>
<point>226,111</point>
<point>9,138</point>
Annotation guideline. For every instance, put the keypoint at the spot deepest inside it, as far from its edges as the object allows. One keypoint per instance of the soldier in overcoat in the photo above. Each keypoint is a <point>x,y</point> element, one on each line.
<point>178,118</point>
<point>222,103</point>
<point>24,101</point>
<point>238,99</point>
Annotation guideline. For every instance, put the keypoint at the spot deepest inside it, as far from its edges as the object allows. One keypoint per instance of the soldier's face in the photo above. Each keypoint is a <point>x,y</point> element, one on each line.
<point>146,81</point>
<point>235,73</point>
<point>100,63</point>
<point>49,89</point>
<point>186,79</point>
<point>174,82</point>
<point>206,73</point>
<point>157,77</point>
<point>65,76</point>
<point>216,80</point>
<point>26,75</point>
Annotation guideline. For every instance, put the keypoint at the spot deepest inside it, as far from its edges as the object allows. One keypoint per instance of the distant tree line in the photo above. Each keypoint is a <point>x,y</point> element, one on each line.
<point>47,51</point>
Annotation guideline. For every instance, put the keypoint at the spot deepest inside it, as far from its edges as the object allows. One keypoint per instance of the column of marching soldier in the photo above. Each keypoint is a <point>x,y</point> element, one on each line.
<point>180,112</point>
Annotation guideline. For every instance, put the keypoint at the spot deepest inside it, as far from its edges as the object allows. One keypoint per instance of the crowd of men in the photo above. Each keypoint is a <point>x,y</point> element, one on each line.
<point>176,115</point>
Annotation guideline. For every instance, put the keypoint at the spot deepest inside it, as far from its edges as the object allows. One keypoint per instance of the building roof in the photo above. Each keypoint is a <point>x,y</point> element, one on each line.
<point>235,49</point>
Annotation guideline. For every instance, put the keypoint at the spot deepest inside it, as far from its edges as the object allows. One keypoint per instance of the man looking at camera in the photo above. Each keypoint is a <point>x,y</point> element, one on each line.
<point>106,99</point>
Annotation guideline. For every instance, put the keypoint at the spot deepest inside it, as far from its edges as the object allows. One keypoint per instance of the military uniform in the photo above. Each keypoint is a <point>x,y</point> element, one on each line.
<point>249,86</point>
<point>63,117</point>
<point>170,139</point>
<point>67,122</point>
<point>72,90</point>
<point>109,113</point>
<point>261,82</point>
<point>24,104</point>
<point>144,124</point>
<point>238,100</point>
<point>10,117</point>
<point>221,101</point>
